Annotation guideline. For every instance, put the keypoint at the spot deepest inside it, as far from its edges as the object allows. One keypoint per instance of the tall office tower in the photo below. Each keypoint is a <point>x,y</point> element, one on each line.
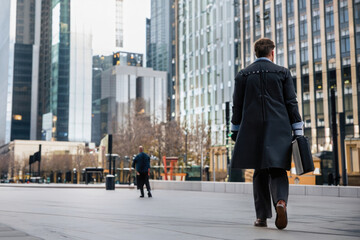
<point>319,41</point>
<point>101,64</point>
<point>69,118</point>
<point>19,60</point>
<point>44,69</point>
<point>121,86</point>
<point>237,34</point>
<point>148,43</point>
<point>119,26</point>
<point>162,45</point>
<point>206,63</point>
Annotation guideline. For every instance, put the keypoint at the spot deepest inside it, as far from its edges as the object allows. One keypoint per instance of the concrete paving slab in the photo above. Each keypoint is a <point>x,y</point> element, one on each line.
<point>239,188</point>
<point>297,190</point>
<point>314,190</point>
<point>330,191</point>
<point>208,186</point>
<point>230,188</point>
<point>248,188</point>
<point>99,214</point>
<point>348,192</point>
<point>219,187</point>
<point>8,233</point>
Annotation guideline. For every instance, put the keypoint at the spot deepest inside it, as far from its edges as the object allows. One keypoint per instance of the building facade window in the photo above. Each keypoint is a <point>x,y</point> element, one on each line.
<point>344,15</point>
<point>345,41</point>
<point>317,48</point>
<point>279,36</point>
<point>316,20</point>
<point>302,4</point>
<point>329,16</point>
<point>278,11</point>
<point>291,32</point>
<point>303,28</point>
<point>292,55</point>
<point>330,45</point>
<point>290,6</point>
<point>317,52</point>
<point>304,51</point>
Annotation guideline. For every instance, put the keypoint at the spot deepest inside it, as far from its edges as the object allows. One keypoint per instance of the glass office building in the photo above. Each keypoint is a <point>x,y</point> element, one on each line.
<point>44,67</point>
<point>119,25</point>
<point>60,67</point>
<point>19,56</point>
<point>101,64</point>
<point>71,73</point>
<point>206,63</point>
<point>161,52</point>
<point>121,86</point>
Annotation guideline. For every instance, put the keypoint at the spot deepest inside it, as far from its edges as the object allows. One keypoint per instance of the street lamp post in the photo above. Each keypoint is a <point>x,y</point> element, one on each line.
<point>186,147</point>
<point>202,161</point>
<point>112,157</point>
<point>110,151</point>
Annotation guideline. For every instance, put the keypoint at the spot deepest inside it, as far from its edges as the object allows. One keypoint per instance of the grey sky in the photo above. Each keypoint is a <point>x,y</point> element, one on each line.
<point>102,15</point>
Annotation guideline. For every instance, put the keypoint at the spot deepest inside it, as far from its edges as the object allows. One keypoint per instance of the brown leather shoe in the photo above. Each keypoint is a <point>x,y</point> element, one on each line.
<point>281,215</point>
<point>260,223</point>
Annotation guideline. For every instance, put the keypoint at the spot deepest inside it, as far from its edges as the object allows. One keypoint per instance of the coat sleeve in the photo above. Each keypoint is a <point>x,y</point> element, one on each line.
<point>147,162</point>
<point>290,98</point>
<point>134,162</point>
<point>238,101</point>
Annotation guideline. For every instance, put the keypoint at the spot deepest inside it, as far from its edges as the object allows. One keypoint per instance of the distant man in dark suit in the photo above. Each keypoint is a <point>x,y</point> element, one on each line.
<point>142,165</point>
<point>265,112</point>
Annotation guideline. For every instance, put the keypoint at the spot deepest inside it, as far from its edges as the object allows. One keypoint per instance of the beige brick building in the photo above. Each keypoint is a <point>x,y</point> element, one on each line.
<point>17,152</point>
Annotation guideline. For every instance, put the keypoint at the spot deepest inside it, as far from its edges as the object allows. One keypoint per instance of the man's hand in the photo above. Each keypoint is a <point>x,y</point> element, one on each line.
<point>137,173</point>
<point>234,135</point>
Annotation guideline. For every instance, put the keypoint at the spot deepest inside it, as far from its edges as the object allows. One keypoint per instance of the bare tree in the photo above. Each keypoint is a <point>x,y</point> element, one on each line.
<point>159,138</point>
<point>199,141</point>
<point>46,164</point>
<point>78,162</point>
<point>62,162</point>
<point>174,139</point>
<point>90,160</point>
<point>4,164</point>
<point>137,130</point>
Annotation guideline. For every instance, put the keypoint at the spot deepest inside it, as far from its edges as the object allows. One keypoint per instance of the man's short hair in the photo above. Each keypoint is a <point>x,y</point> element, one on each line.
<point>263,47</point>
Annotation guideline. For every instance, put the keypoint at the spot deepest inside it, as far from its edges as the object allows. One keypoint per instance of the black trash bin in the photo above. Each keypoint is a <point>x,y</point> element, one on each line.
<point>110,182</point>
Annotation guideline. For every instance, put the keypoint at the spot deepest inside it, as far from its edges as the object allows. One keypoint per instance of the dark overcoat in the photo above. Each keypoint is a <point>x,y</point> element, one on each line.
<point>141,162</point>
<point>264,107</point>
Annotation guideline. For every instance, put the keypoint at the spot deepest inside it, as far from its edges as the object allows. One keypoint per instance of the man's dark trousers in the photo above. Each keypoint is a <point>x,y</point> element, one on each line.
<point>268,181</point>
<point>142,179</point>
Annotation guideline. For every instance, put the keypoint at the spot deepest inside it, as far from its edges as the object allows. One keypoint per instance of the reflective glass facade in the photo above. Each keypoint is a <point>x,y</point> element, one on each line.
<point>122,85</point>
<point>21,107</point>
<point>18,69</point>
<point>44,66</point>
<point>207,61</point>
<point>100,64</point>
<point>60,67</point>
<point>162,52</point>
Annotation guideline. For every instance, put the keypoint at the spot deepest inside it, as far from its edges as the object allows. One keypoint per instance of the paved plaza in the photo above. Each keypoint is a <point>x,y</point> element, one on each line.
<point>79,213</point>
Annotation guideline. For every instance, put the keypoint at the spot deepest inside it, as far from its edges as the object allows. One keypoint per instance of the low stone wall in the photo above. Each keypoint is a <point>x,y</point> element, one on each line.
<point>247,188</point>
